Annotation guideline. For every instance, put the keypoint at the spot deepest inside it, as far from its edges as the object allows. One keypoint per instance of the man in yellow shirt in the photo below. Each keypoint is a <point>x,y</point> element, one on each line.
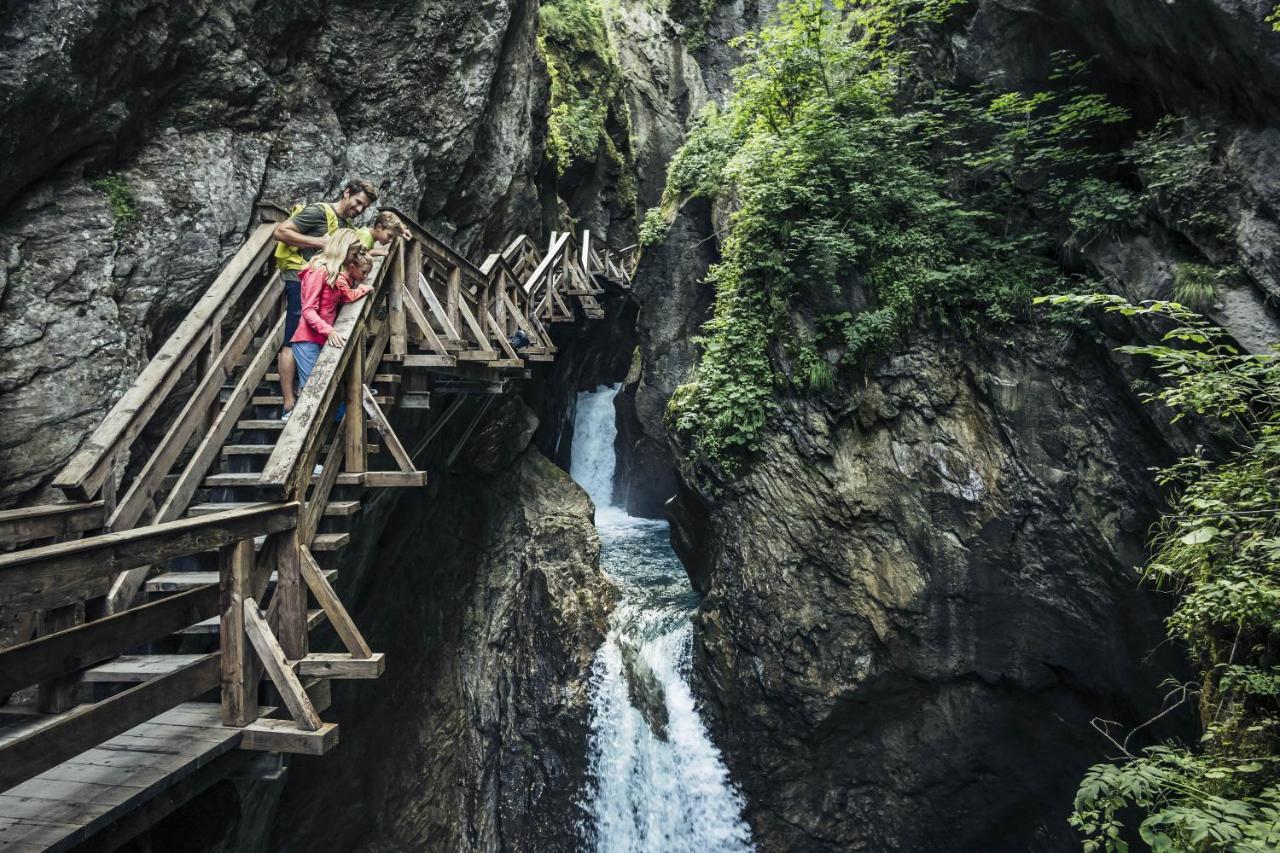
<point>301,236</point>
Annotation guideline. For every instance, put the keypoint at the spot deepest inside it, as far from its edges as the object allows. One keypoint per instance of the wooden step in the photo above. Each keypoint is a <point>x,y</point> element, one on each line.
<point>478,355</point>
<point>330,541</point>
<point>428,360</point>
<point>273,400</point>
<point>183,581</point>
<point>327,665</point>
<point>332,508</point>
<point>252,479</point>
<point>135,669</point>
<point>266,449</point>
<point>210,626</point>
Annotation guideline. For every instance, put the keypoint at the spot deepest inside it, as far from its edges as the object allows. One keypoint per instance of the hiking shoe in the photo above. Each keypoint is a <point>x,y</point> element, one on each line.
<point>284,416</point>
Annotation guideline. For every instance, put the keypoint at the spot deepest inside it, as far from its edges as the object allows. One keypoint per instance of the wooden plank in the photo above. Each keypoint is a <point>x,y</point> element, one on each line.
<point>88,469</point>
<point>19,526</point>
<point>136,668</point>
<point>437,310</point>
<point>396,303</point>
<point>543,270</point>
<point>239,685</point>
<point>428,334</point>
<point>478,333</point>
<point>353,425</point>
<point>146,486</point>
<point>285,736</point>
<point>383,426</point>
<point>331,665</point>
<point>420,360</point>
<point>57,693</point>
<point>322,489</point>
<point>282,675</point>
<point>85,645</point>
<point>291,597</point>
<point>333,608</point>
<point>126,586</point>
<point>89,725</point>
<point>56,574</point>
<point>394,479</point>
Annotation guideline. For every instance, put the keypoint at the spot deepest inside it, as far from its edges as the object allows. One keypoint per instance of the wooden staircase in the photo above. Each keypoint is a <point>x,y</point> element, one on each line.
<point>168,606</point>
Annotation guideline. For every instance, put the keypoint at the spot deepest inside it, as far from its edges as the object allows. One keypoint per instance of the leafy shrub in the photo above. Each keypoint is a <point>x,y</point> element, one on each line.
<point>1182,178</point>
<point>1217,548</point>
<point>120,197</point>
<point>1195,285</point>
<point>586,85</point>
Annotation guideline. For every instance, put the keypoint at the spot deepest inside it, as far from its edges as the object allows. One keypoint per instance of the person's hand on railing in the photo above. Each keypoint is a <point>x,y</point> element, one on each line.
<point>337,339</point>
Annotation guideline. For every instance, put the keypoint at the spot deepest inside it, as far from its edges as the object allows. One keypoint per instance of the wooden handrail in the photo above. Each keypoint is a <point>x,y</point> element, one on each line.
<point>88,469</point>
<point>55,575</point>
<point>19,526</point>
<point>444,249</point>
<point>288,469</point>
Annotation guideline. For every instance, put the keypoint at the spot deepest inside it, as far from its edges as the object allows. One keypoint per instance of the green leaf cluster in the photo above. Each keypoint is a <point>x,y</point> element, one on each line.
<point>1183,179</point>
<point>124,205</point>
<point>588,112</point>
<point>1218,550</point>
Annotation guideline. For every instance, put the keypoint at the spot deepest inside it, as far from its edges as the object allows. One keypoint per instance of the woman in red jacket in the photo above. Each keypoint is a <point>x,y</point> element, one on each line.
<point>332,278</point>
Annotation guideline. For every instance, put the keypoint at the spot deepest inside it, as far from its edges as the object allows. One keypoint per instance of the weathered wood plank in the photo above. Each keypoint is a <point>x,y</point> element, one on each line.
<point>56,574</point>
<point>85,473</point>
<point>89,725</point>
<point>19,526</point>
<point>353,426</point>
<point>438,311</point>
<point>329,665</point>
<point>85,645</point>
<point>291,597</point>
<point>277,666</point>
<point>285,736</point>
<point>239,686</point>
<point>339,618</point>
<point>383,426</point>
<point>428,334</point>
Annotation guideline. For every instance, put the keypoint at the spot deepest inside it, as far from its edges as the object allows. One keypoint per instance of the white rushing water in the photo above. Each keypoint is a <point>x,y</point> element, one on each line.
<point>657,781</point>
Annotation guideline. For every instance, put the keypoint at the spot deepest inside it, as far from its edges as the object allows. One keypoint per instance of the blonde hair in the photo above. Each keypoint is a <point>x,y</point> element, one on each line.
<point>387,219</point>
<point>336,253</point>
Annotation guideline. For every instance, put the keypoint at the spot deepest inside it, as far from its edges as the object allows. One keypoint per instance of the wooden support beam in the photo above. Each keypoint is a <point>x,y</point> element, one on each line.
<point>394,479</point>
<point>285,736</point>
<point>56,574</point>
<point>57,694</point>
<point>383,426</point>
<point>239,676</point>
<point>453,297</point>
<point>86,726</point>
<point>20,526</point>
<point>353,426</point>
<point>447,326</point>
<point>85,645</point>
<point>291,596</point>
<point>477,331</point>
<point>425,333</point>
<point>340,666</point>
<point>466,434</point>
<point>333,608</point>
<point>321,490</point>
<point>418,360</point>
<point>395,303</point>
<point>281,674</point>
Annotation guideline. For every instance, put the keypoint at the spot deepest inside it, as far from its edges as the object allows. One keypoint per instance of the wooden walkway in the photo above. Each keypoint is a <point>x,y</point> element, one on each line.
<point>172,598</point>
<point>68,803</point>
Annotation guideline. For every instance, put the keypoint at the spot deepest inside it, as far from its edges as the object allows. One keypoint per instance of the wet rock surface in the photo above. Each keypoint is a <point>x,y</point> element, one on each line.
<point>922,594</point>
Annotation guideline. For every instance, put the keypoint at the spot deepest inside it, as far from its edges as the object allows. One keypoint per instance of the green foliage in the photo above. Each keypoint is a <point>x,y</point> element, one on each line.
<point>1218,549</point>
<point>1274,18</point>
<point>1182,178</point>
<point>124,206</point>
<point>848,207</point>
<point>1195,285</point>
<point>587,107</point>
<point>693,17</point>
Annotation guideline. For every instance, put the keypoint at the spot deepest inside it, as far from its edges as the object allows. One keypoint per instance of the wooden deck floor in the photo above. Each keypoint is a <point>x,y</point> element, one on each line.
<point>67,804</point>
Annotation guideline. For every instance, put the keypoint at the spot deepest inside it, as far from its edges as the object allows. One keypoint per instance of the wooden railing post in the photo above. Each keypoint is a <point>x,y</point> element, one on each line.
<point>291,594</point>
<point>452,296</point>
<point>354,428</point>
<point>395,304</point>
<point>414,269</point>
<point>56,695</point>
<point>239,682</point>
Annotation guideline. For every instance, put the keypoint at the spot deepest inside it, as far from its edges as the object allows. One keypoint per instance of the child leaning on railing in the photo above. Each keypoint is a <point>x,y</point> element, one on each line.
<point>330,279</point>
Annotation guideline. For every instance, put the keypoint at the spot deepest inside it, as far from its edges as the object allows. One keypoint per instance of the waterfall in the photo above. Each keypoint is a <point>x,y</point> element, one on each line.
<point>656,780</point>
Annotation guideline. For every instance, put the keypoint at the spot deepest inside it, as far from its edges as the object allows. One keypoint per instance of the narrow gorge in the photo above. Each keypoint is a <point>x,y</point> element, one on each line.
<point>903,477</point>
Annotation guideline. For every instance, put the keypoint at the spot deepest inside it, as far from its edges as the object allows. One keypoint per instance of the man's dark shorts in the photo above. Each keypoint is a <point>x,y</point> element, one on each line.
<point>293,307</point>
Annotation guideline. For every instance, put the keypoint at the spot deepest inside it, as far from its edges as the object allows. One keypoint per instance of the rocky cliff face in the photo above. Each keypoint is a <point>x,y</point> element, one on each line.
<point>139,136</point>
<point>922,591</point>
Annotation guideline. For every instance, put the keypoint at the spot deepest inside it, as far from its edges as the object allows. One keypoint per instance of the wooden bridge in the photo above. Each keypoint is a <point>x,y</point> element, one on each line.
<point>164,613</point>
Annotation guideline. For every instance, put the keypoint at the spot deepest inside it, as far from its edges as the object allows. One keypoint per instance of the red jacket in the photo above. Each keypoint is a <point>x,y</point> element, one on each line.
<point>320,304</point>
